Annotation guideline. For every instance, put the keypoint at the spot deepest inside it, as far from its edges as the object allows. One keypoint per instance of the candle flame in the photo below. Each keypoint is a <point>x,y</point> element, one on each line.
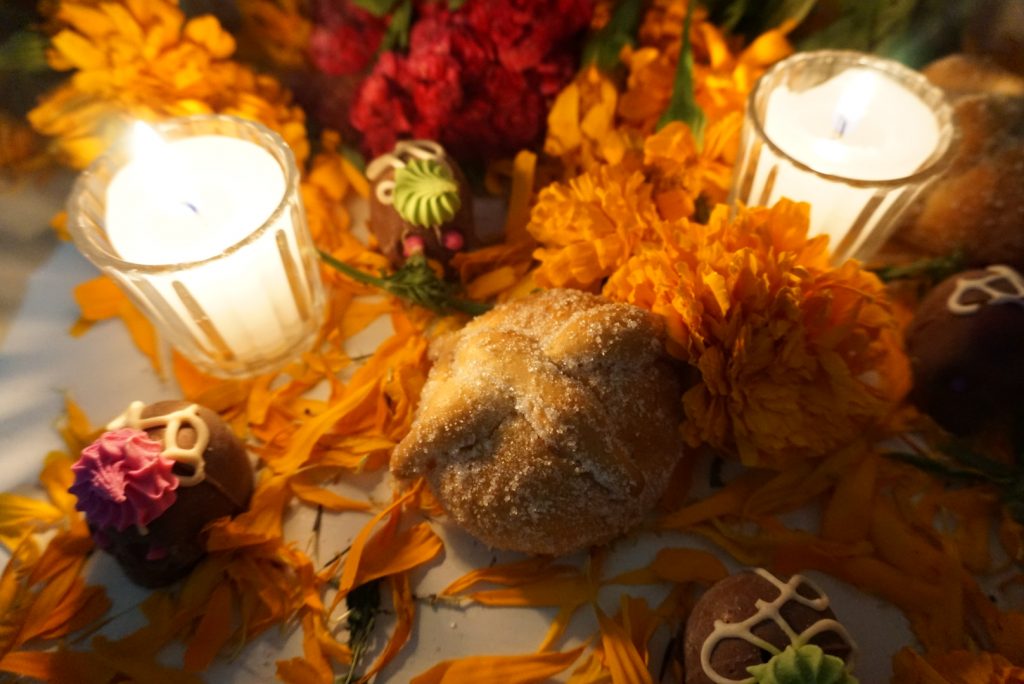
<point>854,101</point>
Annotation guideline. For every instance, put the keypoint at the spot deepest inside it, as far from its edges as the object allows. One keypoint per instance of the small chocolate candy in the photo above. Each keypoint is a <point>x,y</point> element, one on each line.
<point>420,201</point>
<point>966,348</point>
<point>733,622</point>
<point>151,483</point>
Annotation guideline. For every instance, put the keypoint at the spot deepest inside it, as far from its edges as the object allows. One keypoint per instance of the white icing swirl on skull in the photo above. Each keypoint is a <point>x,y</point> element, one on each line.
<point>396,159</point>
<point>986,285</point>
<point>172,423</point>
<point>772,611</point>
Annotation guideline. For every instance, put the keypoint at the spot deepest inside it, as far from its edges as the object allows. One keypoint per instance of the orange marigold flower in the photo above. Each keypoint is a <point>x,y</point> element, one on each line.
<point>590,226</point>
<point>582,130</point>
<point>796,357</point>
<point>722,78</point>
<point>681,171</point>
<point>143,60</point>
<point>278,28</point>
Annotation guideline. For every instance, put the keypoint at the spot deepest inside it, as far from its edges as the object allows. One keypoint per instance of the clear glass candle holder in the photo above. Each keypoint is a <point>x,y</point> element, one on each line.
<point>252,299</point>
<point>856,136</point>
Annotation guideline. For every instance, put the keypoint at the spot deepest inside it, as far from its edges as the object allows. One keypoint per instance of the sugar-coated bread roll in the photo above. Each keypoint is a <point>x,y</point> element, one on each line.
<point>549,424</point>
<point>977,206</point>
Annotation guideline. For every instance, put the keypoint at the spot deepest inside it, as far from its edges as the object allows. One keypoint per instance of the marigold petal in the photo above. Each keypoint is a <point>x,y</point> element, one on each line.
<point>521,669</point>
<point>81,53</point>
<point>621,657</point>
<point>213,631</point>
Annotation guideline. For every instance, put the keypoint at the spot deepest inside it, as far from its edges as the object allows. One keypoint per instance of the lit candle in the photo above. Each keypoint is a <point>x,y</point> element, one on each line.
<point>855,136</point>
<point>206,232</point>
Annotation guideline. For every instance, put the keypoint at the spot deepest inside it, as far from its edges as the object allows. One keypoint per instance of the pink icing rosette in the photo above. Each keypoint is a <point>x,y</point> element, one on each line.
<point>122,479</point>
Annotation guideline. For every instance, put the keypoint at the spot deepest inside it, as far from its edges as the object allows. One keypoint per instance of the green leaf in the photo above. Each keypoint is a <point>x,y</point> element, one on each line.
<point>683,105</point>
<point>999,473</point>
<point>751,19</point>
<point>867,25</point>
<point>397,35</point>
<point>727,14</point>
<point>455,5</point>
<point>24,51</point>
<point>354,157</point>
<point>774,14</point>
<point>932,270</point>
<point>937,467</point>
<point>378,8</point>
<point>604,47</point>
<point>959,462</point>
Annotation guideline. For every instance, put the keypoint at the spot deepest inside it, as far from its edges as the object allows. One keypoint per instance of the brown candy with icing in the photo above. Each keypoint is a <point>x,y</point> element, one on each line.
<point>727,626</point>
<point>966,348</point>
<point>391,229</point>
<point>172,544</point>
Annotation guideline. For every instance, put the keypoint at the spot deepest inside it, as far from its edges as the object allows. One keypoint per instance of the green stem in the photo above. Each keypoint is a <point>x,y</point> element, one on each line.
<point>935,269</point>
<point>354,273</point>
<point>415,283</point>
<point>604,47</point>
<point>469,307</point>
<point>935,467</point>
<point>683,105</point>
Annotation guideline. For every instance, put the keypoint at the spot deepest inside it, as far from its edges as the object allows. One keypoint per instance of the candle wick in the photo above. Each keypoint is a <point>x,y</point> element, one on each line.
<point>840,126</point>
<point>193,210</point>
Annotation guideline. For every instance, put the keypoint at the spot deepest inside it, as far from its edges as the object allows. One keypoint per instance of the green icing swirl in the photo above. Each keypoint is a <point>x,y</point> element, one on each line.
<point>807,664</point>
<point>426,193</point>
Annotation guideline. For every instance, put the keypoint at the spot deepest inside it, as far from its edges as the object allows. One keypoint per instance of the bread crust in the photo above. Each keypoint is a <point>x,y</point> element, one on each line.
<point>549,424</point>
<point>977,206</point>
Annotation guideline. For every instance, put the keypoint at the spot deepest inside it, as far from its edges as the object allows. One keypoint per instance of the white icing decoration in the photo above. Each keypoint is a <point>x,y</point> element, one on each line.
<point>399,157</point>
<point>771,610</point>
<point>983,284</point>
<point>172,423</point>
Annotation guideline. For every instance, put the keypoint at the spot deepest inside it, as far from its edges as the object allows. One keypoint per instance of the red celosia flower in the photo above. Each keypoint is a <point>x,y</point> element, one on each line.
<point>478,80</point>
<point>345,39</point>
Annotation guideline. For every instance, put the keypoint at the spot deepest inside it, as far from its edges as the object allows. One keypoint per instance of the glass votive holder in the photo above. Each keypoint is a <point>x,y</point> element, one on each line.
<point>206,233</point>
<point>856,136</point>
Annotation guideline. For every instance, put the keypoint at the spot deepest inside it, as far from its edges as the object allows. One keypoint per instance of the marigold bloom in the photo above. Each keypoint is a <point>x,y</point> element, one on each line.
<point>681,171</point>
<point>142,60</point>
<point>722,79</point>
<point>279,28</point>
<point>590,226</point>
<point>796,358</point>
<point>582,129</point>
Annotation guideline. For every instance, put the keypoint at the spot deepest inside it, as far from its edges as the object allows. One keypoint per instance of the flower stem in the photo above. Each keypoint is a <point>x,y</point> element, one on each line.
<point>683,105</point>
<point>416,283</point>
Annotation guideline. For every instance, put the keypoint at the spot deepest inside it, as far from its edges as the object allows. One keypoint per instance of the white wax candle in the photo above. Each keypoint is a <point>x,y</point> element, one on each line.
<point>191,199</point>
<point>859,125</point>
